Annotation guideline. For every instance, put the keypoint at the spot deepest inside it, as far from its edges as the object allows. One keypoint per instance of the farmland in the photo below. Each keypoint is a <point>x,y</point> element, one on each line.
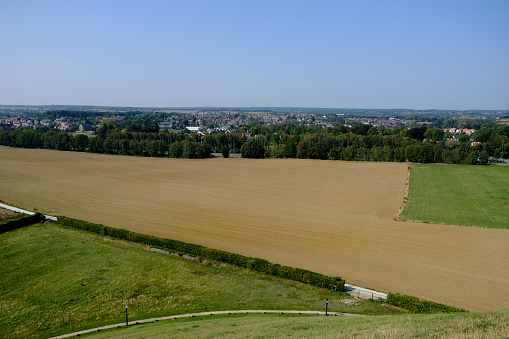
<point>332,217</point>
<point>465,195</point>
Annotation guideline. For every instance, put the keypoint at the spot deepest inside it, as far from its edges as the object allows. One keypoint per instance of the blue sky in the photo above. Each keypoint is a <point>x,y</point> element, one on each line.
<point>344,54</point>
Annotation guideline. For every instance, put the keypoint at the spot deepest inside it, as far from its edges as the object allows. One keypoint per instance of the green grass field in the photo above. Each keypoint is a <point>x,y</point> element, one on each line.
<point>56,280</point>
<point>459,195</point>
<point>467,325</point>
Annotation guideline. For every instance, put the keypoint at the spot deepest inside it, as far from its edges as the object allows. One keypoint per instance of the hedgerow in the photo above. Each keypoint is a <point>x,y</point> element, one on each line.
<point>414,305</point>
<point>23,221</point>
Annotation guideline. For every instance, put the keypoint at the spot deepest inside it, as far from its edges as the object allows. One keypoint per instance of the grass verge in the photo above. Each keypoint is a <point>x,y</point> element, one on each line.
<point>56,280</point>
<point>459,195</point>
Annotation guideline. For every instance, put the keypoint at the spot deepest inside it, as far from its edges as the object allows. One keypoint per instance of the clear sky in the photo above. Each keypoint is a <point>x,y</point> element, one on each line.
<point>345,54</point>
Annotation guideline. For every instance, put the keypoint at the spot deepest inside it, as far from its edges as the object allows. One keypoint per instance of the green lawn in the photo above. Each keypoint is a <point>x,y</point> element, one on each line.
<point>465,325</point>
<point>56,280</point>
<point>459,195</point>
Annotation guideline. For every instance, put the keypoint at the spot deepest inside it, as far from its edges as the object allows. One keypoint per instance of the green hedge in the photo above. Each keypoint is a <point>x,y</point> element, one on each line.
<point>23,221</point>
<point>415,305</point>
<point>255,264</point>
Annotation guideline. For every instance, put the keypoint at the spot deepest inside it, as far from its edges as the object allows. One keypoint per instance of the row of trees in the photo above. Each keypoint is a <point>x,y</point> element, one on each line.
<point>361,143</point>
<point>140,144</point>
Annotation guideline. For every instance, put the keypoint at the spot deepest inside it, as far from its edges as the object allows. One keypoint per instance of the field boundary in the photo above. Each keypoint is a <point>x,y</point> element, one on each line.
<point>397,217</point>
<point>201,314</point>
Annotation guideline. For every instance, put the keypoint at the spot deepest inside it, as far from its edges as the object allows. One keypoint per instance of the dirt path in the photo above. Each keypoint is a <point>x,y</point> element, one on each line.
<point>192,315</point>
<point>332,217</point>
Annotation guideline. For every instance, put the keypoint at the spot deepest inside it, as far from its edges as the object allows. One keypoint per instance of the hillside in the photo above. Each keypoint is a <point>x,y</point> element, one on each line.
<point>56,280</point>
<point>469,325</point>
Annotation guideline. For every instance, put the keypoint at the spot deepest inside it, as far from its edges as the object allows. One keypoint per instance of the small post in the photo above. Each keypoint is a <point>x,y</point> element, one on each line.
<point>326,305</point>
<point>126,320</point>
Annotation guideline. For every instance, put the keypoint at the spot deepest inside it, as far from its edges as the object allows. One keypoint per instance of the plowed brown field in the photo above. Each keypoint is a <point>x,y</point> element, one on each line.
<point>332,217</point>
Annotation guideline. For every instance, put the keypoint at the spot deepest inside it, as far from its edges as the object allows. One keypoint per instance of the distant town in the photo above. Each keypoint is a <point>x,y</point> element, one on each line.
<point>207,121</point>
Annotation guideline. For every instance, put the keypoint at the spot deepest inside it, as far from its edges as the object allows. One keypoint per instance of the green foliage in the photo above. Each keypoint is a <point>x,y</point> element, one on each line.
<point>225,152</point>
<point>255,264</point>
<point>254,148</point>
<point>414,305</point>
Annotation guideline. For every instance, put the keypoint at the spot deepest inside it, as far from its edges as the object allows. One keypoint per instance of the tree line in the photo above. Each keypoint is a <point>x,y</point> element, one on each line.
<point>160,144</point>
<point>359,143</point>
<point>367,143</point>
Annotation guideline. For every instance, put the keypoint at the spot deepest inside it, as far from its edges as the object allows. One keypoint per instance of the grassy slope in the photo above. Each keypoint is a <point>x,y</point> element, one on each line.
<point>470,325</point>
<point>57,280</point>
<point>459,195</point>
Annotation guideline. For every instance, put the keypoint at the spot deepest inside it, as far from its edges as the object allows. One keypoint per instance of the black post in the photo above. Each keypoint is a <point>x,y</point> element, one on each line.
<point>126,320</point>
<point>326,305</point>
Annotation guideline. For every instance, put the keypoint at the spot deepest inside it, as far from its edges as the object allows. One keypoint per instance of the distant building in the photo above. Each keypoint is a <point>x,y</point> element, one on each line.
<point>467,131</point>
<point>195,129</point>
<point>166,125</point>
<point>85,128</point>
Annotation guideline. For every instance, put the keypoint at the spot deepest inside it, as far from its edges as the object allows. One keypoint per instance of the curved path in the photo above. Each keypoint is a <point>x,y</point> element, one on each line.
<point>192,315</point>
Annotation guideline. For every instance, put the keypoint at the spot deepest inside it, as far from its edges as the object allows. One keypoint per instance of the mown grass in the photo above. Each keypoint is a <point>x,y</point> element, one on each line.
<point>56,280</point>
<point>459,195</point>
<point>466,325</point>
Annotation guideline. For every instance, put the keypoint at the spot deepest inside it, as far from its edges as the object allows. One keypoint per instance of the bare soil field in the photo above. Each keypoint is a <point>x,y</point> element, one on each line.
<point>332,217</point>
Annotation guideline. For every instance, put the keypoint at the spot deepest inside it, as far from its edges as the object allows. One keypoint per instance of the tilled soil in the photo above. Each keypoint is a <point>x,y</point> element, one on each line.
<point>331,217</point>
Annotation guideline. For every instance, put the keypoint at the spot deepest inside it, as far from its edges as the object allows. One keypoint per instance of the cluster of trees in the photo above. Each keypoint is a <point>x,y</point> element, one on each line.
<point>360,143</point>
